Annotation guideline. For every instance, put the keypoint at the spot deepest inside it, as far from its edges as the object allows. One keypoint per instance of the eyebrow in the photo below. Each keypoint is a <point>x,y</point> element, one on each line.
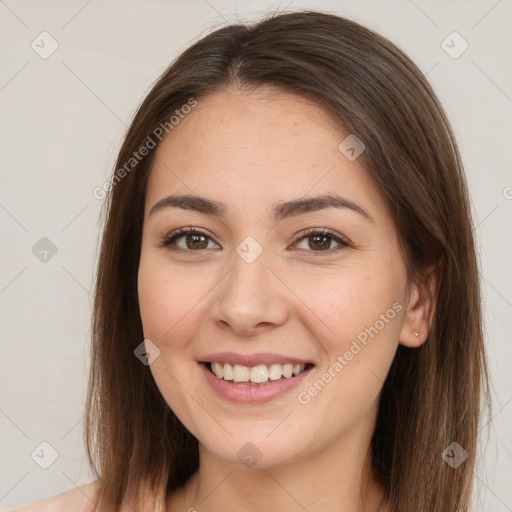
<point>281,211</point>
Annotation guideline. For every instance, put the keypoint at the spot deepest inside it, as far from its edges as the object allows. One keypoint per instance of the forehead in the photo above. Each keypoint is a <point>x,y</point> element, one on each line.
<point>234,123</point>
<point>252,148</point>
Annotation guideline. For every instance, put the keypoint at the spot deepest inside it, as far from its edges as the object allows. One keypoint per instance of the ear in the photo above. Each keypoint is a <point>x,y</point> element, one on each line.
<point>420,308</point>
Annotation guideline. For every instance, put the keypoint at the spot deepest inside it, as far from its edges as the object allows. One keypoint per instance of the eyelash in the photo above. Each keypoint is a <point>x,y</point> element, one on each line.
<point>308,233</point>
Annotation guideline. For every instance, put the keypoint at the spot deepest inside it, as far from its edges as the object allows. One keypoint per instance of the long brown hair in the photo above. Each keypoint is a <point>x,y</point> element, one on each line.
<point>432,394</point>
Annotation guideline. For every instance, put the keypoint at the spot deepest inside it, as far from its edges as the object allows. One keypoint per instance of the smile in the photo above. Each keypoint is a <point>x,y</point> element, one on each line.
<point>253,379</point>
<point>260,374</point>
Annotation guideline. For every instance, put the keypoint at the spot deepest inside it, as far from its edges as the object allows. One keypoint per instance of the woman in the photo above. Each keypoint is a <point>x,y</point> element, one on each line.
<point>287,309</point>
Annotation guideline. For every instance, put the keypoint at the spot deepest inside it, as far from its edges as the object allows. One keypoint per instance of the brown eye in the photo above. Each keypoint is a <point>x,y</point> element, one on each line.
<point>187,240</point>
<point>321,241</point>
<point>196,242</point>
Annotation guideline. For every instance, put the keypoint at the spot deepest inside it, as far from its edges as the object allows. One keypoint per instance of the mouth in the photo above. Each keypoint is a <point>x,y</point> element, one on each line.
<point>258,375</point>
<point>244,384</point>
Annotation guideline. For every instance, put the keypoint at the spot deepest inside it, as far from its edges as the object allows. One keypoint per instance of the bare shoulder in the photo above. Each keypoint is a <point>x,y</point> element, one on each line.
<point>79,499</point>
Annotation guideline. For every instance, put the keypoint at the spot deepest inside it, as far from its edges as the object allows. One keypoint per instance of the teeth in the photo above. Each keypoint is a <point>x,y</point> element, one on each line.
<point>256,374</point>
<point>218,369</point>
<point>297,368</point>
<point>287,370</point>
<point>274,372</point>
<point>227,371</point>
<point>241,373</point>
<point>259,374</point>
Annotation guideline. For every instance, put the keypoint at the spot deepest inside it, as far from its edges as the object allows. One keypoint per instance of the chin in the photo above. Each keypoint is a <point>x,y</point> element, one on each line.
<point>255,453</point>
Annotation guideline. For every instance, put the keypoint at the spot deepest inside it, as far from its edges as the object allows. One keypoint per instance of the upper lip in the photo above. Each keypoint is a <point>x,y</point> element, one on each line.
<point>251,359</point>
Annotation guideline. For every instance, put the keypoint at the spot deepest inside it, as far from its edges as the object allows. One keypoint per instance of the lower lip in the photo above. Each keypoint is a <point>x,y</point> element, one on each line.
<point>251,394</point>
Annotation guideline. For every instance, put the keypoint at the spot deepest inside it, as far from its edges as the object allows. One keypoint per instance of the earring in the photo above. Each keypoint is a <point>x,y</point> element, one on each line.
<point>416,333</point>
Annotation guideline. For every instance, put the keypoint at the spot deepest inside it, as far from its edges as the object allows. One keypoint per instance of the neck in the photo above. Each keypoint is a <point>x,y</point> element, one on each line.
<point>338,478</point>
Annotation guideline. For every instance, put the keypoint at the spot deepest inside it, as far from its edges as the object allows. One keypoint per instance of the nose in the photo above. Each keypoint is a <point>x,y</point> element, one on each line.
<point>250,299</point>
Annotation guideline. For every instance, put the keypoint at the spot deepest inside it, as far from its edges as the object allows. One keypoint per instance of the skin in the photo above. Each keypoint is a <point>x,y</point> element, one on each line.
<point>251,150</point>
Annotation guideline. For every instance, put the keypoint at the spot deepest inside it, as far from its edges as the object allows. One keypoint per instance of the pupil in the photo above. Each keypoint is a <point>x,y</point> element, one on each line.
<point>195,239</point>
<point>316,242</point>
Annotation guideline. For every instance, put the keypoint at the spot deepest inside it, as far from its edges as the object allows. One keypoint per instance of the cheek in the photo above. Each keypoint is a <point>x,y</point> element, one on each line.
<point>354,306</point>
<point>171,310</point>
<point>169,301</point>
<point>363,312</point>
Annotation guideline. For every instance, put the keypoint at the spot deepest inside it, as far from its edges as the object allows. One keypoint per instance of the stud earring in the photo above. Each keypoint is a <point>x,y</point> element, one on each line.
<point>416,333</point>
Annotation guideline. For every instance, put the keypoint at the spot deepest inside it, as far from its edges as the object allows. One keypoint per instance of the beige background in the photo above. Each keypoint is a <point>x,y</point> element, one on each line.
<point>63,118</point>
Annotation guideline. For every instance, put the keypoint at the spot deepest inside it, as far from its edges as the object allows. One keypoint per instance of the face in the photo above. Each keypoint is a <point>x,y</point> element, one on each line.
<point>256,289</point>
